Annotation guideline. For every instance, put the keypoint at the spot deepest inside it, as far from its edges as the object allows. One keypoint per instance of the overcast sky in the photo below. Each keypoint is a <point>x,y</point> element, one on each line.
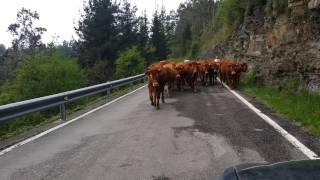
<point>59,16</point>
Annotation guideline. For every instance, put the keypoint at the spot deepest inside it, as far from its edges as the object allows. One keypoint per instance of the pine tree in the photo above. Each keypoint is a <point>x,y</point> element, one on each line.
<point>128,25</point>
<point>99,39</point>
<point>158,36</point>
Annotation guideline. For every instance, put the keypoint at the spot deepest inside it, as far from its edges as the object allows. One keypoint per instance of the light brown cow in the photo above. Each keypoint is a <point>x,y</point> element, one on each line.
<point>231,71</point>
<point>203,72</point>
<point>187,72</point>
<point>171,76</point>
<point>214,68</point>
<point>157,79</point>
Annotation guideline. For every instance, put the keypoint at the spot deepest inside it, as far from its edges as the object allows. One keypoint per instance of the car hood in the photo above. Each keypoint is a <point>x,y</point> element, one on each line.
<point>290,170</point>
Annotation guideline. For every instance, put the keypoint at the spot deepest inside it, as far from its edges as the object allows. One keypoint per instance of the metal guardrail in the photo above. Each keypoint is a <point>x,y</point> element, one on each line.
<point>14,110</point>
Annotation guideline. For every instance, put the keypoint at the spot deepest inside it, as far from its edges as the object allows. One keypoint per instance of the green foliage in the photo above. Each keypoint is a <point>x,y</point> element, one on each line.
<point>300,106</point>
<point>292,84</point>
<point>42,75</point>
<point>228,15</point>
<point>226,19</point>
<point>98,30</point>
<point>130,63</point>
<point>13,127</point>
<point>128,25</point>
<point>108,28</point>
<point>194,18</point>
<point>249,78</point>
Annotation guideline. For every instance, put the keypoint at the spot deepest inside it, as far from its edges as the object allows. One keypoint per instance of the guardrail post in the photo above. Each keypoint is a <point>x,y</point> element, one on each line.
<point>108,94</point>
<point>63,114</point>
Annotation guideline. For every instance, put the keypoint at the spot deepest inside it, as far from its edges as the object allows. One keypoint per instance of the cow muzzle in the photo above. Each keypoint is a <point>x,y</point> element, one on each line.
<point>155,84</point>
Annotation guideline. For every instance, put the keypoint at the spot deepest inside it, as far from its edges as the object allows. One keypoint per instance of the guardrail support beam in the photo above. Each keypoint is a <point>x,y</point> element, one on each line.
<point>63,114</point>
<point>14,110</point>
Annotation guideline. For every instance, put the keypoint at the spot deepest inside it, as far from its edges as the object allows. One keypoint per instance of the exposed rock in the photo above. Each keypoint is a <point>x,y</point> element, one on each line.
<point>314,4</point>
<point>297,6</point>
<point>285,48</point>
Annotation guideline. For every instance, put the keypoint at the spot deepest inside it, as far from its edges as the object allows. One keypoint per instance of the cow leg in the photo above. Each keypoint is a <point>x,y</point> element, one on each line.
<point>193,86</point>
<point>179,84</point>
<point>202,80</point>
<point>151,96</point>
<point>162,97</point>
<point>158,99</point>
<point>183,82</point>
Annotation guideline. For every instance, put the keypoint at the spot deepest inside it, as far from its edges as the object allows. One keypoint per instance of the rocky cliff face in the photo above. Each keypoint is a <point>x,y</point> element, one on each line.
<point>283,49</point>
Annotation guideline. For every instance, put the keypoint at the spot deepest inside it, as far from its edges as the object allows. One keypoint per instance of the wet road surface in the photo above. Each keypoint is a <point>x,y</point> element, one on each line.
<point>193,136</point>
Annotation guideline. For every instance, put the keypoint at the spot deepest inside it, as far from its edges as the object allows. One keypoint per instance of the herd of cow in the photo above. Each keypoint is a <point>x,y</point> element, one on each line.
<point>163,75</point>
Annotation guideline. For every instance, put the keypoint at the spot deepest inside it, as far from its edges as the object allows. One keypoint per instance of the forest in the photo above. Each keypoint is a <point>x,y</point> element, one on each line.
<point>114,42</point>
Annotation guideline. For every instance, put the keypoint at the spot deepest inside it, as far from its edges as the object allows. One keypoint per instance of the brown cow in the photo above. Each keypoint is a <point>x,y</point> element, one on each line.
<point>203,72</point>
<point>231,75</point>
<point>240,68</point>
<point>179,79</point>
<point>171,76</point>
<point>187,72</point>
<point>213,71</point>
<point>157,79</point>
<point>228,73</point>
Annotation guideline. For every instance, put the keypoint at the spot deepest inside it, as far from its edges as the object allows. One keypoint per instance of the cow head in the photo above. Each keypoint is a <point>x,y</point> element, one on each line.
<point>233,69</point>
<point>153,75</point>
<point>213,67</point>
<point>179,68</point>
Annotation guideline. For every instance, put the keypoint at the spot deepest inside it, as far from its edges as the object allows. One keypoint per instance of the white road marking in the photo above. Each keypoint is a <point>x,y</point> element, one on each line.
<point>64,124</point>
<point>294,141</point>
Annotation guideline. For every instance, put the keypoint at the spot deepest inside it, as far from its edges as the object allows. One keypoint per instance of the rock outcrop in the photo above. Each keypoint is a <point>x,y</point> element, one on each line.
<point>280,50</point>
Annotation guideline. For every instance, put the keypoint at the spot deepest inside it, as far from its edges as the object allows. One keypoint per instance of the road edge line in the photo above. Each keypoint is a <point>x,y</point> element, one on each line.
<point>30,139</point>
<point>293,140</point>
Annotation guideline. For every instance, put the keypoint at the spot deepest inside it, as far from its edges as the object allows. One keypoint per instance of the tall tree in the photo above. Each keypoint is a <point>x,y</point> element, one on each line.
<point>143,29</point>
<point>128,25</point>
<point>193,20</point>
<point>99,36</point>
<point>26,36</point>
<point>158,36</point>
<point>144,45</point>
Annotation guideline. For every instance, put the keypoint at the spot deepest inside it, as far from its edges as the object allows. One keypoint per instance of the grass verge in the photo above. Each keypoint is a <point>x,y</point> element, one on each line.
<point>302,107</point>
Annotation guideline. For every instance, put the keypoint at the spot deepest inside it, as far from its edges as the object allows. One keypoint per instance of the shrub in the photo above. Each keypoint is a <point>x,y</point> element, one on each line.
<point>42,75</point>
<point>130,63</point>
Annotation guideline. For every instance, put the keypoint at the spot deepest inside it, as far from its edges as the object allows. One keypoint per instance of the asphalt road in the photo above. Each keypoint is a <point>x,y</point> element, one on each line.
<point>193,136</point>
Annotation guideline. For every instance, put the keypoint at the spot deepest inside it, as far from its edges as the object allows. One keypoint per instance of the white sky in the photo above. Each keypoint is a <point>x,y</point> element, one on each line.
<point>59,16</point>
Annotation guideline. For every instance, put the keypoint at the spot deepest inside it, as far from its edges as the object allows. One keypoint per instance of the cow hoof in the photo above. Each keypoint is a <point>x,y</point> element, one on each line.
<point>158,107</point>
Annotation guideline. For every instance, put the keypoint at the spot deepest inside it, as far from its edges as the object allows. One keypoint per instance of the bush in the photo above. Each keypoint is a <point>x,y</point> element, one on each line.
<point>226,19</point>
<point>42,75</point>
<point>130,63</point>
